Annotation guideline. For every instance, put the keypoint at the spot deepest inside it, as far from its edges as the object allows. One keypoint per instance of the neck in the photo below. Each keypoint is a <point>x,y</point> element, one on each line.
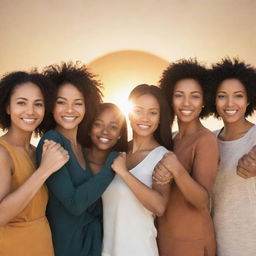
<point>188,128</point>
<point>140,143</point>
<point>69,134</point>
<point>97,156</point>
<point>18,138</point>
<point>236,130</point>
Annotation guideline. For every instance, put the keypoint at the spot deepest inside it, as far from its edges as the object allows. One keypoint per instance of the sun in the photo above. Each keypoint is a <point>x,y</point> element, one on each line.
<point>121,71</point>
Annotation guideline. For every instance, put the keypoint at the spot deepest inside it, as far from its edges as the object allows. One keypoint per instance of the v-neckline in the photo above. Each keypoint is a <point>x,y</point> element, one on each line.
<point>144,159</point>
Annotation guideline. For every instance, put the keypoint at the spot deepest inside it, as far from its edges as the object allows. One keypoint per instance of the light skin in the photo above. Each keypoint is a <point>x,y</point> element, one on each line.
<point>104,134</point>
<point>68,113</point>
<point>144,119</point>
<point>231,104</point>
<point>26,110</point>
<point>187,103</point>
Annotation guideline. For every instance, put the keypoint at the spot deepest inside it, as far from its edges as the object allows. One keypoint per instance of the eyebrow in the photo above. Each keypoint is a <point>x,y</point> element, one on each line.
<point>63,98</point>
<point>22,98</point>
<point>234,92</point>
<point>190,92</point>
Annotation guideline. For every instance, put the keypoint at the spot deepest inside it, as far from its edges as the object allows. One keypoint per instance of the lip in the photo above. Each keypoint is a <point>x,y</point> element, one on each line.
<point>29,120</point>
<point>104,140</point>
<point>144,126</point>
<point>69,118</point>
<point>230,112</point>
<point>186,112</point>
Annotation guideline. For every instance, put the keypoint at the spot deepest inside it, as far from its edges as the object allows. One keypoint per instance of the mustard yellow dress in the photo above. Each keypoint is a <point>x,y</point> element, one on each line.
<point>28,234</point>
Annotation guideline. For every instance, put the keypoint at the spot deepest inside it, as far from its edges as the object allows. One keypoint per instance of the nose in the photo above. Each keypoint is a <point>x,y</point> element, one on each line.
<point>230,101</point>
<point>186,101</point>
<point>69,108</point>
<point>30,109</point>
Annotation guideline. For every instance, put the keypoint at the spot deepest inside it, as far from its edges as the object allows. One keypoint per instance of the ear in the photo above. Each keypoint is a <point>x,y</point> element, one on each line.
<point>8,109</point>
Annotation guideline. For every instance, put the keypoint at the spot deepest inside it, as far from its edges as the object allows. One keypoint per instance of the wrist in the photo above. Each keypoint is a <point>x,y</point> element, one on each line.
<point>179,174</point>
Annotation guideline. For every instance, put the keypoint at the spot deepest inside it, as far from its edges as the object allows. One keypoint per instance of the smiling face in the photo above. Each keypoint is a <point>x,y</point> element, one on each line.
<point>106,129</point>
<point>187,100</point>
<point>69,108</point>
<point>231,101</point>
<point>26,107</point>
<point>145,115</point>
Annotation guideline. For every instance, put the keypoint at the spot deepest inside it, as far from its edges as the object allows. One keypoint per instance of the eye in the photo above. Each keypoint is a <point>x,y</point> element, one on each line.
<point>97,124</point>
<point>196,96</point>
<point>239,95</point>
<point>220,96</point>
<point>21,103</point>
<point>40,105</point>
<point>60,102</point>
<point>177,95</point>
<point>79,104</point>
<point>153,113</point>
<point>114,127</point>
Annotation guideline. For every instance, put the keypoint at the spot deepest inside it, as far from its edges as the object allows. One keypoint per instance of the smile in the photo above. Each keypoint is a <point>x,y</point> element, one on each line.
<point>104,140</point>
<point>230,112</point>
<point>186,112</point>
<point>28,120</point>
<point>69,118</point>
<point>143,126</point>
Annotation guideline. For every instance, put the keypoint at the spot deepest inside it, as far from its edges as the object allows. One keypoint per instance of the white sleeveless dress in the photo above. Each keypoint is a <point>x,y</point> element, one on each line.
<point>128,226</point>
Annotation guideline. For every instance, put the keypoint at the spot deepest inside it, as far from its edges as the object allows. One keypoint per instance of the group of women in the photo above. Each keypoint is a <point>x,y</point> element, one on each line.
<point>191,193</point>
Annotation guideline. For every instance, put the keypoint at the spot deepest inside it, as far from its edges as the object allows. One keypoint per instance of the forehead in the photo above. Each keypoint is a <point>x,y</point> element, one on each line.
<point>231,85</point>
<point>146,101</point>
<point>68,90</point>
<point>27,90</point>
<point>110,114</point>
<point>188,85</point>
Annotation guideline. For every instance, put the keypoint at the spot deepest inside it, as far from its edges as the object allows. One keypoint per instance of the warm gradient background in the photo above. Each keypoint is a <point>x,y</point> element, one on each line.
<point>125,42</point>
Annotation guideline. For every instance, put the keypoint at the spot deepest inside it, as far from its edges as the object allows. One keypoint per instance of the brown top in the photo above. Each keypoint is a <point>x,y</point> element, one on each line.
<point>184,229</point>
<point>28,233</point>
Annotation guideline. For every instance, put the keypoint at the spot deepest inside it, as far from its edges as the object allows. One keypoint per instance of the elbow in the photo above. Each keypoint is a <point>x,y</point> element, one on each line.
<point>160,210</point>
<point>3,221</point>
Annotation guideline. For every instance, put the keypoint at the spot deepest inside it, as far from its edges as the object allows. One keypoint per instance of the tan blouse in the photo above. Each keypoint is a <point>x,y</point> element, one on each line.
<point>28,234</point>
<point>185,230</point>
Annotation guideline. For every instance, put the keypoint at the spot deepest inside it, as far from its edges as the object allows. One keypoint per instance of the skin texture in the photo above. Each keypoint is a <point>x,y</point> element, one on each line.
<point>26,110</point>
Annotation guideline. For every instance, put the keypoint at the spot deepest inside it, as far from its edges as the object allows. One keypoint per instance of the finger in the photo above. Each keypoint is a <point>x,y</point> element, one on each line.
<point>243,173</point>
<point>252,156</point>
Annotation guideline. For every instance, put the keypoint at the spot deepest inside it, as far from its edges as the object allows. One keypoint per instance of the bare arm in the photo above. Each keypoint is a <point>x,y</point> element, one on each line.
<point>196,188</point>
<point>154,199</point>
<point>12,203</point>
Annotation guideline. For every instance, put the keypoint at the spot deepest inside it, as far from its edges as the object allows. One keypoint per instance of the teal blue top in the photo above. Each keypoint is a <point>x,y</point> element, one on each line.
<point>74,209</point>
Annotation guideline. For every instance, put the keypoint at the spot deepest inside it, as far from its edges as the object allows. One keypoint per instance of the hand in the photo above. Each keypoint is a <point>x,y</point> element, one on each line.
<point>54,156</point>
<point>119,164</point>
<point>172,164</point>
<point>246,167</point>
<point>161,175</point>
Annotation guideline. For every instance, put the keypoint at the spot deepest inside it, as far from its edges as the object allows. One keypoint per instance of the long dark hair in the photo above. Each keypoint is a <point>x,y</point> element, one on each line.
<point>163,134</point>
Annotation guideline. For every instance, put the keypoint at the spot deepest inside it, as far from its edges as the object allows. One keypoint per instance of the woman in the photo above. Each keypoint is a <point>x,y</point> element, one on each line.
<point>186,227</point>
<point>234,201</point>
<point>24,229</point>
<point>108,133</point>
<point>74,209</point>
<point>131,202</point>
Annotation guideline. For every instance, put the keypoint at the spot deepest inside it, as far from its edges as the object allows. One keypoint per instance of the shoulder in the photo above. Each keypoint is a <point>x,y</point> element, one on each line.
<point>5,158</point>
<point>52,135</point>
<point>159,152</point>
<point>207,136</point>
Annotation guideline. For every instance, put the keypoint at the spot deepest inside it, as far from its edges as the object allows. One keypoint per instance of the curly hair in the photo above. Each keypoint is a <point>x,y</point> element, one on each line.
<point>185,69</point>
<point>163,134</point>
<point>10,82</point>
<point>122,143</point>
<point>233,69</point>
<point>78,75</point>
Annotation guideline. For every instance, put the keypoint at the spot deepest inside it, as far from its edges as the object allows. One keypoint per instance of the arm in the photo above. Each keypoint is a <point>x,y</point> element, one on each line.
<point>246,167</point>
<point>76,200</point>
<point>197,188</point>
<point>12,203</point>
<point>155,200</point>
